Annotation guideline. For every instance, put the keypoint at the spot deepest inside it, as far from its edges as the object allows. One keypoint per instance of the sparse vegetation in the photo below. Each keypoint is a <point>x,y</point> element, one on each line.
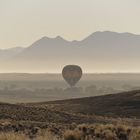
<point>16,136</point>
<point>63,120</point>
<point>81,132</point>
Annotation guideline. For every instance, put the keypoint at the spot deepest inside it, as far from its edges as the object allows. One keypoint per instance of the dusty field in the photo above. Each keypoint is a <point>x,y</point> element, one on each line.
<point>92,118</point>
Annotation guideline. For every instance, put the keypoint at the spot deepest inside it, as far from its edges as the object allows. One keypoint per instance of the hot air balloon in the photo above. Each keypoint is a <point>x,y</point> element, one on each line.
<point>72,74</point>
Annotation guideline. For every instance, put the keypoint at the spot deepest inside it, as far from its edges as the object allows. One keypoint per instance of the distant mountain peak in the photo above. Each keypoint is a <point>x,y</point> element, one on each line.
<point>45,38</point>
<point>112,32</point>
<point>59,37</point>
<point>108,34</point>
<point>103,32</point>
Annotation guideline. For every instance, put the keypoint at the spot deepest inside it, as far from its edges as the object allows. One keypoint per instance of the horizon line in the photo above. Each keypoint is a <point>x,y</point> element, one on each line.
<point>61,73</point>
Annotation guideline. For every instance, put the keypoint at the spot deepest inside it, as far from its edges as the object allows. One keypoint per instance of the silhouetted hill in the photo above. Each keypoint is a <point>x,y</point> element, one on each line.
<point>75,115</point>
<point>126,104</point>
<point>101,51</point>
<point>101,109</point>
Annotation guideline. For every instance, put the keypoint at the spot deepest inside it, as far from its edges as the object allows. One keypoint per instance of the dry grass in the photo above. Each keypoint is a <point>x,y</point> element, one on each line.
<point>73,135</point>
<point>15,136</point>
<point>82,132</point>
<point>103,132</point>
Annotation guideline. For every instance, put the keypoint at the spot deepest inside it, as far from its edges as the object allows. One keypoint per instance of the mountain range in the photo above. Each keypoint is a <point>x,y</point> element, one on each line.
<point>99,52</point>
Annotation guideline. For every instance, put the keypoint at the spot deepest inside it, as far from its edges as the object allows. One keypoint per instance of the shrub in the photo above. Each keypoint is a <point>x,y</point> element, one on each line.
<point>72,135</point>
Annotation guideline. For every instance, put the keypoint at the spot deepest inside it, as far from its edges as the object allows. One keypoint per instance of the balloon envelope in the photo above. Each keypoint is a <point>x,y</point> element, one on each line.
<point>72,74</point>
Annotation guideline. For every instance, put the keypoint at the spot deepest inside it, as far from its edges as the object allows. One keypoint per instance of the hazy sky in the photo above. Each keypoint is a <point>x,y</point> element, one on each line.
<point>24,21</point>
